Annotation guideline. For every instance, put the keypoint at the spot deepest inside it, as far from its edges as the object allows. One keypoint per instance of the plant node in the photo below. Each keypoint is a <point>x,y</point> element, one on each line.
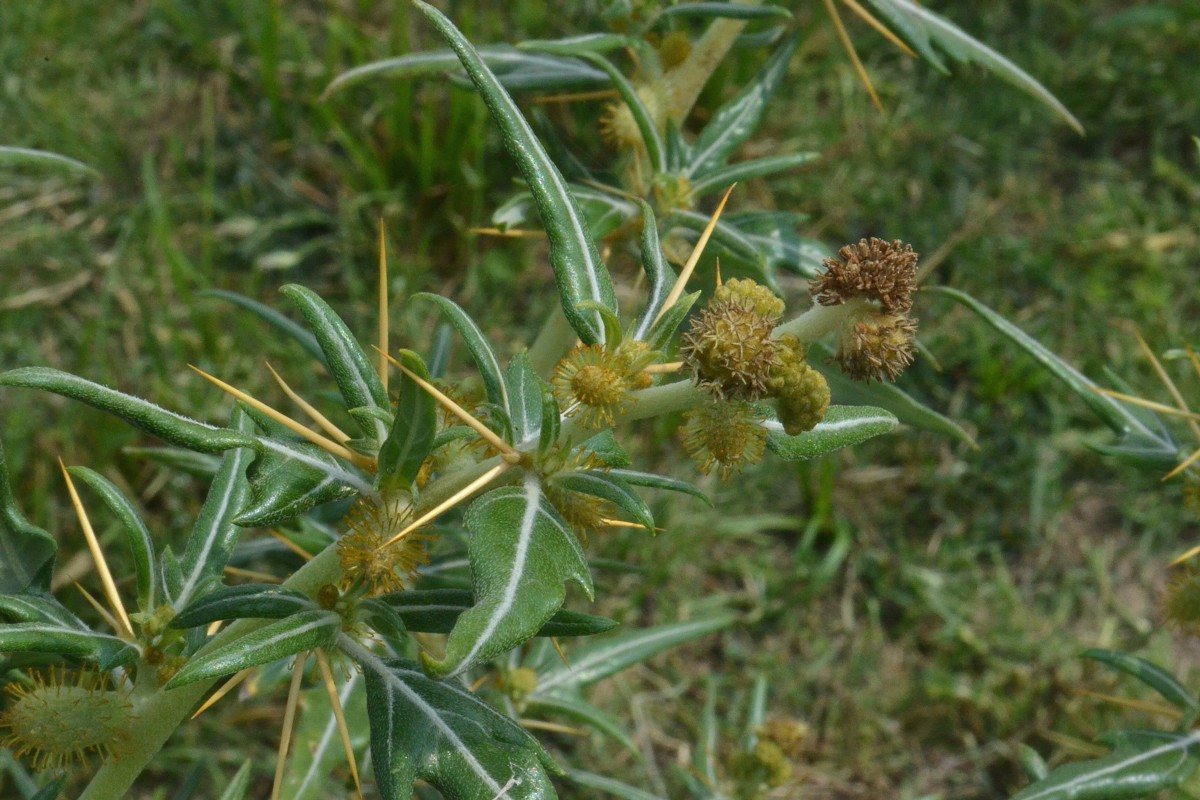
<point>370,524</point>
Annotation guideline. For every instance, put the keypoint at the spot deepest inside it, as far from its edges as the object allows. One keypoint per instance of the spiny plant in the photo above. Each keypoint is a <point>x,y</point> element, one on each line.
<point>449,624</point>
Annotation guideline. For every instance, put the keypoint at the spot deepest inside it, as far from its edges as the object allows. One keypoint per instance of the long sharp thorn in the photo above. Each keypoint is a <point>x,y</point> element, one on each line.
<point>1127,702</point>
<point>620,523</point>
<point>506,449</point>
<point>1150,404</point>
<point>553,727</point>
<point>289,720</point>
<point>559,650</point>
<point>884,31</point>
<point>326,424</point>
<point>694,259</point>
<point>1187,462</point>
<point>670,366</point>
<point>225,689</point>
<point>106,579</point>
<point>849,45</point>
<point>339,714</point>
<point>1166,380</point>
<point>329,446</point>
<point>290,545</point>
<point>383,308</point>
<point>448,503</point>
<point>254,575</point>
<point>1192,553</point>
<point>101,610</point>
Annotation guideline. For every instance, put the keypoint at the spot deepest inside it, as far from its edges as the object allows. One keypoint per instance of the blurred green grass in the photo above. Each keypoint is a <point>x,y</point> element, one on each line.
<point>918,603</point>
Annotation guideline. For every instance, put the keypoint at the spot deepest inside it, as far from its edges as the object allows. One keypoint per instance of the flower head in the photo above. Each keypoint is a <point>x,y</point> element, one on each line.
<point>876,346</point>
<point>802,392</point>
<point>593,383</point>
<point>729,346</point>
<point>873,269</point>
<point>729,434</point>
<point>363,558</point>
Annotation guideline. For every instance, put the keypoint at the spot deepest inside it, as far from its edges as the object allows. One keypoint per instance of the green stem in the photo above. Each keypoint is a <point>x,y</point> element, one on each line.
<point>553,340</point>
<point>819,320</point>
<point>163,711</point>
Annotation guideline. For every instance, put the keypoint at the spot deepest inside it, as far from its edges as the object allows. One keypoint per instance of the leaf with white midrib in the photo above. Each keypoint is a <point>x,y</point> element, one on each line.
<point>423,729</point>
<point>522,552</point>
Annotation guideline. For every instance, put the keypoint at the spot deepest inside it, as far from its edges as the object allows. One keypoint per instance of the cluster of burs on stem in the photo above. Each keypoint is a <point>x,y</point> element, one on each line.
<point>745,358</point>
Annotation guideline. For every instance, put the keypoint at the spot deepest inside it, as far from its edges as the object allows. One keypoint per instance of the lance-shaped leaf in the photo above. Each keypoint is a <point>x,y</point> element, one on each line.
<point>710,10</point>
<point>887,396</point>
<point>551,424</point>
<point>773,235</point>
<point>239,784</point>
<point>843,426</point>
<point>24,155</point>
<point>737,120</point>
<point>167,425</point>
<point>662,331</point>
<point>481,352</point>
<point>599,483</point>
<point>304,631</point>
<point>437,611</point>
<point>26,551</point>
<point>1132,431</point>
<point>411,438</point>
<point>659,276</point>
<point>605,447</point>
<point>214,534</point>
<point>656,151</point>
<point>602,658</point>
<point>604,212</point>
<point>652,480</point>
<point>579,273</point>
<point>521,553</point>
<point>269,315</point>
<point>923,29</point>
<point>136,534</point>
<point>1153,676</point>
<point>39,608</point>
<point>525,392</point>
<point>579,711</point>
<point>422,729</point>
<point>516,70</point>
<point>47,637</point>
<point>722,178</point>
<point>253,600</point>
<point>352,370</point>
<point>1142,764</point>
<point>291,477</point>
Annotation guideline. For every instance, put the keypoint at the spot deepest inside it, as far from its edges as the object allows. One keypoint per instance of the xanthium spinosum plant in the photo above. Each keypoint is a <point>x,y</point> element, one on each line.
<point>384,600</point>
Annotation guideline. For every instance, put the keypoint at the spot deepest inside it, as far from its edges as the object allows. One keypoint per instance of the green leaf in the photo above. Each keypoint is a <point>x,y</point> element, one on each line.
<point>422,729</point>
<point>384,620</point>
<point>304,631</point>
<point>1032,762</point>
<point>738,119</point>
<point>317,749</point>
<point>24,155</point>
<point>166,425</point>
<point>723,177</point>
<point>136,533</point>
<point>290,477</point>
<point>662,331</point>
<point>605,447</point>
<point>726,11</point>
<point>521,553</point>
<point>843,426</point>
<point>437,611</point>
<point>605,784</point>
<point>39,608</point>
<point>525,393</point>
<point>515,70</point>
<point>253,600</point>
<point>577,267</point>
<point>642,118</point>
<point>659,275</point>
<point>1153,676</point>
<point>353,372</point>
<point>887,396</point>
<point>773,236</point>
<point>481,352</point>
<point>26,551</point>
<point>579,710</point>
<point>411,438</point>
<point>214,534</point>
<point>599,483</point>
<point>551,423</point>
<point>240,782</point>
<point>269,315</point>
<point>603,211</point>
<point>46,637</point>
<point>198,465</point>
<point>1133,433</point>
<point>1142,763</point>
<point>571,45</point>
<point>923,29</point>
<point>604,657</point>
<point>654,481</point>
<point>51,790</point>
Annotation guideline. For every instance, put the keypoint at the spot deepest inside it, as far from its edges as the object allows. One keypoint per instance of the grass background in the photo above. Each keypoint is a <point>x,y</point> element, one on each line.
<point>917,603</point>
